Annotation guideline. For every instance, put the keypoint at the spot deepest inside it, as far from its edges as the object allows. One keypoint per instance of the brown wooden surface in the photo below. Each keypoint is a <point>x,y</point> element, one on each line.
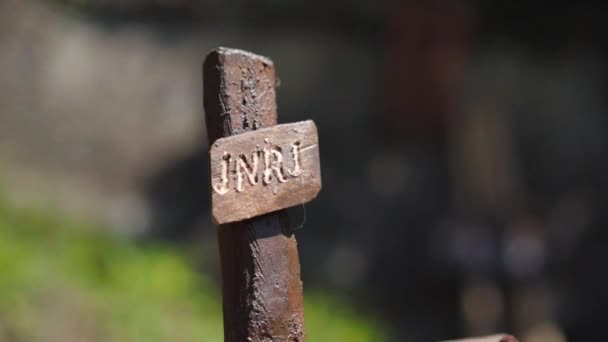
<point>261,286</point>
<point>269,185</point>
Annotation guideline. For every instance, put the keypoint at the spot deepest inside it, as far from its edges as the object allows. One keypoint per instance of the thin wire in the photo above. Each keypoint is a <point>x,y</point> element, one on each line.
<point>304,218</point>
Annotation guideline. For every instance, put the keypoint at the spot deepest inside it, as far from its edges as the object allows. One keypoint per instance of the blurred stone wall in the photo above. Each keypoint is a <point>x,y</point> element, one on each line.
<point>87,110</point>
<point>92,107</point>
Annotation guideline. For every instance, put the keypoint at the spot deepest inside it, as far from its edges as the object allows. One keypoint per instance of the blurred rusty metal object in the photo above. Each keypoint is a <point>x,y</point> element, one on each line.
<point>492,338</point>
<point>261,285</point>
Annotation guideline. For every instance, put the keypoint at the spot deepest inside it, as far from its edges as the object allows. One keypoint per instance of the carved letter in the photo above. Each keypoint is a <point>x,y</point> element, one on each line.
<point>252,174</point>
<point>273,165</point>
<point>223,186</point>
<point>295,150</point>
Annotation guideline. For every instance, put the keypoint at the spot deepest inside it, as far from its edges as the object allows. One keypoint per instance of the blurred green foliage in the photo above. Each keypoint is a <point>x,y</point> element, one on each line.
<point>61,280</point>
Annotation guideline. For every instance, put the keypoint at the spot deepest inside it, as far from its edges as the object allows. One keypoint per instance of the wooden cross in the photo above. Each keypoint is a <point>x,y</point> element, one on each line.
<point>258,169</point>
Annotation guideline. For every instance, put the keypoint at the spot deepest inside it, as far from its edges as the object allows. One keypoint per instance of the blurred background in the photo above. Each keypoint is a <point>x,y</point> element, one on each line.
<point>462,143</point>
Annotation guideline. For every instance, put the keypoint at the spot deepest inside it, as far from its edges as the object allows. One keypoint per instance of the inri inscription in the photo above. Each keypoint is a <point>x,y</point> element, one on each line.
<point>247,170</point>
<point>263,171</point>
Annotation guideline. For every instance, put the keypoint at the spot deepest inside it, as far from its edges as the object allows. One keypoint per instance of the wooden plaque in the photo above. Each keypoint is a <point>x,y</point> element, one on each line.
<point>262,171</point>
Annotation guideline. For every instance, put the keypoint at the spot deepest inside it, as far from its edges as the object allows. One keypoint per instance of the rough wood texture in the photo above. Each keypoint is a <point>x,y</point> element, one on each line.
<point>258,172</point>
<point>262,290</point>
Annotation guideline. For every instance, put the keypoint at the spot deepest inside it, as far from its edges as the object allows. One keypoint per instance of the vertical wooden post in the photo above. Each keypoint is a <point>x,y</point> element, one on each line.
<point>261,285</point>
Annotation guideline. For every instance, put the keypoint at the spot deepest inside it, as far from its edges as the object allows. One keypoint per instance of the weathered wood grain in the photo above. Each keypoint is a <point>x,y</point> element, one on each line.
<point>263,171</point>
<point>261,286</point>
